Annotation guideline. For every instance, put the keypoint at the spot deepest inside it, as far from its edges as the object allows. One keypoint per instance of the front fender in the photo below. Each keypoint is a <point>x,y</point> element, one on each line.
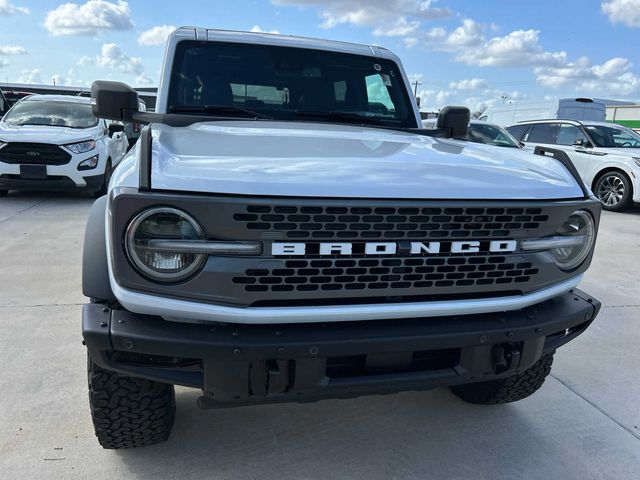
<point>95,269</point>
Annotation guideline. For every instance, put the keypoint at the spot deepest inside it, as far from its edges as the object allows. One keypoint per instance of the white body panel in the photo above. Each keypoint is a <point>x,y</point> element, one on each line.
<point>566,108</point>
<point>113,148</point>
<point>323,160</point>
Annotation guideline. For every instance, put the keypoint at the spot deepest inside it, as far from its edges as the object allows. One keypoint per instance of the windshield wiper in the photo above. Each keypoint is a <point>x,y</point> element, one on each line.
<point>348,116</point>
<point>225,110</point>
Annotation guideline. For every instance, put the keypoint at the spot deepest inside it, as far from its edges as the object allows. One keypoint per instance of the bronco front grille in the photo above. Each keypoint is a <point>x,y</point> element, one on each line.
<point>375,274</point>
<point>34,154</point>
<point>338,222</point>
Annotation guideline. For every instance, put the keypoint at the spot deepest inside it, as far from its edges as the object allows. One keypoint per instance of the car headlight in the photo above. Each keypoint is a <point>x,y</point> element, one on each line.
<point>571,244</point>
<point>81,147</point>
<point>89,163</point>
<point>154,260</point>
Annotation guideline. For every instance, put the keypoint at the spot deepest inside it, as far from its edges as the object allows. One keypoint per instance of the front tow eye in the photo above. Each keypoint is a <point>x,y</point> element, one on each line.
<point>278,373</point>
<point>506,358</point>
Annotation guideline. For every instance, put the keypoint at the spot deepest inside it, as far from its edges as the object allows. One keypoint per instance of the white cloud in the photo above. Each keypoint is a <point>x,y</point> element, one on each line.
<point>3,63</point>
<point>626,12</point>
<point>613,77</point>
<point>142,79</point>
<point>90,18</point>
<point>12,50</point>
<point>155,36</point>
<point>30,76</point>
<point>113,58</point>
<point>84,61</point>
<point>469,84</point>
<point>386,17</point>
<point>468,44</point>
<point>7,8</point>
<point>259,29</point>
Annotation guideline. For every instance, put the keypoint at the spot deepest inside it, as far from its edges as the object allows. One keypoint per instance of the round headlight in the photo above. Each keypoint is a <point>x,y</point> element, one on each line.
<point>154,260</point>
<point>581,226</point>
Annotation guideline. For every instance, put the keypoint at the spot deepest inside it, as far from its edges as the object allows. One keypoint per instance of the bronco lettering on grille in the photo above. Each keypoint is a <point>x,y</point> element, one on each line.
<point>392,248</point>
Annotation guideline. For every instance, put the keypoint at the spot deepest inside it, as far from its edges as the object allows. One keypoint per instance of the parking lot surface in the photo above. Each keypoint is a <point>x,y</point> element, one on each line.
<point>584,423</point>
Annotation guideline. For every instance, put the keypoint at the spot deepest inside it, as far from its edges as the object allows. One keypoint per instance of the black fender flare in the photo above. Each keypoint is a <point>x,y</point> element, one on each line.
<point>95,270</point>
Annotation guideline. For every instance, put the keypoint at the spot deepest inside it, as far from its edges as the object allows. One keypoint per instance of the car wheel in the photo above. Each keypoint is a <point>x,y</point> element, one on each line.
<point>129,412</point>
<point>614,191</point>
<point>509,389</point>
<point>108,170</point>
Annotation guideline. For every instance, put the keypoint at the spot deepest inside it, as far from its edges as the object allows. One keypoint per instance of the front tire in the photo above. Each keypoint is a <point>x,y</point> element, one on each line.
<point>108,170</point>
<point>614,190</point>
<point>129,412</point>
<point>509,389</point>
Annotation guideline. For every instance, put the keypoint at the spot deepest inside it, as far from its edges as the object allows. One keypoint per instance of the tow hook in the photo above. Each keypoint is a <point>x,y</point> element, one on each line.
<point>506,358</point>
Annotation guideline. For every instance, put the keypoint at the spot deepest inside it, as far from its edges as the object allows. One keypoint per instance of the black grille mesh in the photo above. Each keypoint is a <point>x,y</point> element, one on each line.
<point>336,222</point>
<point>309,275</point>
<point>34,154</point>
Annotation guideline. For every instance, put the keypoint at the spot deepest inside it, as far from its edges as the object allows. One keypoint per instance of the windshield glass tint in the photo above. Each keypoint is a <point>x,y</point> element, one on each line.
<point>491,135</point>
<point>51,113</point>
<point>288,83</point>
<point>613,137</point>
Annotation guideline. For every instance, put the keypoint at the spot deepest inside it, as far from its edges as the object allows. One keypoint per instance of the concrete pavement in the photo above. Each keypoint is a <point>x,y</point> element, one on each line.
<point>584,423</point>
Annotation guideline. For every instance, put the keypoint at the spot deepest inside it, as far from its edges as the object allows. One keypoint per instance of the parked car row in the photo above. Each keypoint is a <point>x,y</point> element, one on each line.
<point>55,142</point>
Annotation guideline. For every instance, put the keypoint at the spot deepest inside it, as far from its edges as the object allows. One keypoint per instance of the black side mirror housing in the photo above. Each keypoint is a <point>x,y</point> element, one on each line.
<point>455,120</point>
<point>114,100</point>
<point>115,127</point>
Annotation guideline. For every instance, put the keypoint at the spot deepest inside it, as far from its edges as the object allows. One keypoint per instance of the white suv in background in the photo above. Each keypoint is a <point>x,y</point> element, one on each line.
<point>51,142</point>
<point>606,155</point>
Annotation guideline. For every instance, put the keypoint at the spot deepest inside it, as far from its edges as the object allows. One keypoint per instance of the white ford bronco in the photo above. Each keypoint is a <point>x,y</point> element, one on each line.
<point>284,230</point>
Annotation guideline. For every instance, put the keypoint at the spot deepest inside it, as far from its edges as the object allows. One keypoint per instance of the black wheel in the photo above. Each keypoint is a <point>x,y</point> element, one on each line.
<point>129,412</point>
<point>4,193</point>
<point>108,170</point>
<point>509,389</point>
<point>614,190</point>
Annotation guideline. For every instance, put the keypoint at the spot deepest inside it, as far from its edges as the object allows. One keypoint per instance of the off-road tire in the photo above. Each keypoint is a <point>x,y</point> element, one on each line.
<point>129,412</point>
<point>509,389</point>
<point>611,179</point>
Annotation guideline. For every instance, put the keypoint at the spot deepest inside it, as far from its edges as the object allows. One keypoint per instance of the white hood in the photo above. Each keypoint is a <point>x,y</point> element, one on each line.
<point>324,160</point>
<point>44,134</point>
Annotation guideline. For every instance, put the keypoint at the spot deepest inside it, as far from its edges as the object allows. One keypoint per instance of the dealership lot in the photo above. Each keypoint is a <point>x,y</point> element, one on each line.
<point>584,423</point>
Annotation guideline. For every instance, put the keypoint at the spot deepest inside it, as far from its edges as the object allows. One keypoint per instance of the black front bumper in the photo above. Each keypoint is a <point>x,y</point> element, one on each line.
<point>52,182</point>
<point>242,364</point>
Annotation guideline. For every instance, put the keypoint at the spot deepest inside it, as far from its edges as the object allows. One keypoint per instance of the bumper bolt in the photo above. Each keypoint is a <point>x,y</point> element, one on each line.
<point>105,309</point>
<point>510,334</point>
<point>538,330</point>
<point>280,349</point>
<point>103,324</point>
<point>121,321</point>
<point>128,344</point>
<point>236,351</point>
<point>314,350</point>
<point>483,339</point>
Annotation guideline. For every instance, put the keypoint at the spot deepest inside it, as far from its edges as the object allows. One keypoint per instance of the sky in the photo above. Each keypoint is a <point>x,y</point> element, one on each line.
<point>471,52</point>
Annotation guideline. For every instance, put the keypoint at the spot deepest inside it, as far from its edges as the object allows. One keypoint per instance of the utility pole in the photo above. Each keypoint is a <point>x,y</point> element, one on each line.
<point>415,87</point>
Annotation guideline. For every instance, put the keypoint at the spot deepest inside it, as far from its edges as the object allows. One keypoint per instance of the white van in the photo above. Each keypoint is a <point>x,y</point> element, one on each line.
<point>564,108</point>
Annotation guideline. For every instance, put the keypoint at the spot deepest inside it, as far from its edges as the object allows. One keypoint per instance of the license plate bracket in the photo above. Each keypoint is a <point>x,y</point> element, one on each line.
<point>33,172</point>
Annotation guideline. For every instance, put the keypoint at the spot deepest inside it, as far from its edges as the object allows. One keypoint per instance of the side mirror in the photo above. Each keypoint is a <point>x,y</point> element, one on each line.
<point>114,100</point>
<point>581,142</point>
<point>455,120</point>
<point>115,127</point>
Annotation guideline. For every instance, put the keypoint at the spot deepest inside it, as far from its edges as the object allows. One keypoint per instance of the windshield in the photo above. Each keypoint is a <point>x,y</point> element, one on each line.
<point>286,83</point>
<point>53,113</point>
<point>613,137</point>
<point>491,135</point>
